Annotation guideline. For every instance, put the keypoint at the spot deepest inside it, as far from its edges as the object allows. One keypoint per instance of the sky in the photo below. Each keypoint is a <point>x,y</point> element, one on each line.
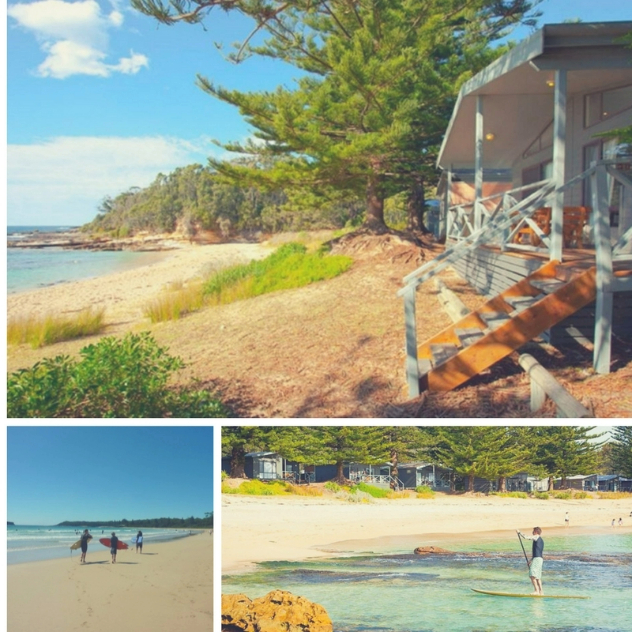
<point>101,98</point>
<point>108,473</point>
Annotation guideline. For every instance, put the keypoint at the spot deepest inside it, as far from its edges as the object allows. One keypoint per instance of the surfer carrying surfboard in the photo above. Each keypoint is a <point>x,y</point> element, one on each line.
<point>535,566</point>
<point>85,538</point>
<point>113,546</point>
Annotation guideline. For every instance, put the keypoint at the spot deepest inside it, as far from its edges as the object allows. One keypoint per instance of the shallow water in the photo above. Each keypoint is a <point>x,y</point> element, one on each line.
<point>409,593</point>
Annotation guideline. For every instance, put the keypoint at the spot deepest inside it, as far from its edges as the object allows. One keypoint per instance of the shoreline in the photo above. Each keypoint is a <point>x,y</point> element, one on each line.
<point>291,528</point>
<point>168,587</point>
<point>124,293</point>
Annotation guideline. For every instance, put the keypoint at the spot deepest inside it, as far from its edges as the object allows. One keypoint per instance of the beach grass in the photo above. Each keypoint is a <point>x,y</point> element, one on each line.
<point>424,491</point>
<point>177,301</point>
<point>375,492</point>
<point>290,266</point>
<point>47,330</point>
<point>615,495</point>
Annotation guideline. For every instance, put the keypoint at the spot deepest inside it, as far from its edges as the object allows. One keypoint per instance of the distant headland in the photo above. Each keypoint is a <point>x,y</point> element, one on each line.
<point>160,523</point>
<point>10,524</point>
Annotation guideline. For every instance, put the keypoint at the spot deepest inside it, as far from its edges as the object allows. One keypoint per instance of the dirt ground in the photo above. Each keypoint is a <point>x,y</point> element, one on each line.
<point>335,349</point>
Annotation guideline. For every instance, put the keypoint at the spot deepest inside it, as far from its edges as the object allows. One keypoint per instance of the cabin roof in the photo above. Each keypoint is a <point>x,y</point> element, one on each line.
<point>519,95</point>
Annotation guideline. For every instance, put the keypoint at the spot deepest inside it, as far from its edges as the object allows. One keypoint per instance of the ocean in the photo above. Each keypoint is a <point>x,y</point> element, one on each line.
<point>401,592</point>
<point>29,269</point>
<point>32,543</point>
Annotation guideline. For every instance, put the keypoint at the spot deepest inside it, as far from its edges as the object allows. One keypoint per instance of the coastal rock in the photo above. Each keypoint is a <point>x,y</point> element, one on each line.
<point>278,611</point>
<point>432,550</point>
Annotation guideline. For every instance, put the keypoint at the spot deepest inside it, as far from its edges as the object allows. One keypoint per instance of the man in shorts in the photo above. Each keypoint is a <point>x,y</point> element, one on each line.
<point>85,538</point>
<point>114,546</point>
<point>535,566</point>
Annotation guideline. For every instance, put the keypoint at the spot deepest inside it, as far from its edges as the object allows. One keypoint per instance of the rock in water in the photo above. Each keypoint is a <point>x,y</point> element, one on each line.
<point>432,550</point>
<point>278,611</point>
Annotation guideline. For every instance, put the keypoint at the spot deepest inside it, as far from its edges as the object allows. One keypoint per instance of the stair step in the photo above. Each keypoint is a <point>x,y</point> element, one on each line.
<point>469,336</point>
<point>441,353</point>
<point>425,366</point>
<point>548,286</point>
<point>523,302</point>
<point>494,319</point>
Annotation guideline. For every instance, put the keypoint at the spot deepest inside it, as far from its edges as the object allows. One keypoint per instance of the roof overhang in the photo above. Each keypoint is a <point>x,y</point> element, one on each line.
<point>518,88</point>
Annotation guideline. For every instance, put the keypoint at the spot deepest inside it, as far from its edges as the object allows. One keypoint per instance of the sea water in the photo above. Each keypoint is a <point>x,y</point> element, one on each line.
<point>32,268</point>
<point>401,592</point>
<point>31,543</point>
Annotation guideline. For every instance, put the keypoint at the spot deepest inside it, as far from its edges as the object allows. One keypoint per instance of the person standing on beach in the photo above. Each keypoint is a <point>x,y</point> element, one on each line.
<point>114,546</point>
<point>535,566</point>
<point>85,538</point>
<point>139,542</point>
<point>567,520</point>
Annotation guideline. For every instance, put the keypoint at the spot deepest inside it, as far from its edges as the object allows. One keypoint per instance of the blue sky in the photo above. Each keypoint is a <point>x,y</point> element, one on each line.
<point>108,473</point>
<point>101,98</point>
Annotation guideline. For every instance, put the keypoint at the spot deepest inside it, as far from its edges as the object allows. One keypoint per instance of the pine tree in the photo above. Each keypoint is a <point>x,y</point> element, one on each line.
<point>237,441</point>
<point>378,82</point>
<point>622,450</point>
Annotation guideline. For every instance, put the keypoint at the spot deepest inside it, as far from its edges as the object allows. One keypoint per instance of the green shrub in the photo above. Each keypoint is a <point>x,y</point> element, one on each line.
<point>122,378</point>
<point>290,266</point>
<point>563,495</point>
<point>541,495</point>
<point>424,491</point>
<point>581,495</point>
<point>510,494</point>
<point>376,492</point>
<point>255,487</point>
<point>39,332</point>
<point>332,486</point>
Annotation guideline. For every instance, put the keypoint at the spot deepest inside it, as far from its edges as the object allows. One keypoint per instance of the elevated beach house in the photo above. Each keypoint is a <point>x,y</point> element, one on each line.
<point>536,204</point>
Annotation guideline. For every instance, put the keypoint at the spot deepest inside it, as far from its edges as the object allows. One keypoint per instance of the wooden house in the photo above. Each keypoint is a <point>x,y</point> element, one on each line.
<point>536,205</point>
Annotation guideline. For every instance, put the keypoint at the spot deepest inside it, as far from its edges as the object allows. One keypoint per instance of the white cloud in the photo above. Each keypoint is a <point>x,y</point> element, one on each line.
<point>62,181</point>
<point>74,37</point>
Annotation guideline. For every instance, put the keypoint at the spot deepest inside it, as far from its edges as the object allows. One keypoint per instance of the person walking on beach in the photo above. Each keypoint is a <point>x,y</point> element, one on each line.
<point>113,546</point>
<point>567,520</point>
<point>535,566</point>
<point>139,542</point>
<point>85,538</point>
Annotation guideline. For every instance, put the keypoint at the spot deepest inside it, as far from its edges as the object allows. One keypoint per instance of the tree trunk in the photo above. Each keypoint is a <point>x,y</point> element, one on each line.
<point>415,208</point>
<point>551,484</point>
<point>340,475</point>
<point>238,462</point>
<point>374,205</point>
<point>394,470</point>
<point>502,484</point>
<point>470,482</point>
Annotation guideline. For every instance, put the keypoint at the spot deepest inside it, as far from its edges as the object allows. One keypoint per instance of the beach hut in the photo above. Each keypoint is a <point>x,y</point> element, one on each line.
<point>572,482</point>
<point>536,205</point>
<point>414,475</point>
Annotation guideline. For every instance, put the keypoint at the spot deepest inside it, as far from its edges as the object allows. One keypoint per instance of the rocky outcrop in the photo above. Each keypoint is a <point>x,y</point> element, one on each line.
<point>432,550</point>
<point>278,611</point>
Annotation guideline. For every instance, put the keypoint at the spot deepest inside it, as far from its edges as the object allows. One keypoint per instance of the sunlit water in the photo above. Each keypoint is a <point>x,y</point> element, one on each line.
<point>409,593</point>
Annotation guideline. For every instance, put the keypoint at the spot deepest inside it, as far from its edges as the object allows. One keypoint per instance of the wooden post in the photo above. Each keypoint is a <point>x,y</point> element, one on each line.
<point>445,227</point>
<point>410,319</point>
<point>478,163</point>
<point>543,384</point>
<point>603,255</point>
<point>559,159</point>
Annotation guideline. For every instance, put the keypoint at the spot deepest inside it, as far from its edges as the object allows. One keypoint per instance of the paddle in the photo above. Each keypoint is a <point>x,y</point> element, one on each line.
<point>525,553</point>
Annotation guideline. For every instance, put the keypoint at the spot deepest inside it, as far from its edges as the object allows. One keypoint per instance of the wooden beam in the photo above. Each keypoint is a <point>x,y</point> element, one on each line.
<point>559,160</point>
<point>478,163</point>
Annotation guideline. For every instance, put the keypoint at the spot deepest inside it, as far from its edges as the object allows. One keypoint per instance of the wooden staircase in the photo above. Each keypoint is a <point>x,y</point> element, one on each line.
<point>503,324</point>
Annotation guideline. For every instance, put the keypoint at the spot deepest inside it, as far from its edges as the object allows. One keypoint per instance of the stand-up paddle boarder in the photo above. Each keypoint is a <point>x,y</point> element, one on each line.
<point>535,565</point>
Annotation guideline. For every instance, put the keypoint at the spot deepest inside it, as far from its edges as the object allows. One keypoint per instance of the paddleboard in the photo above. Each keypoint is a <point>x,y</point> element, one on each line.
<point>75,546</point>
<point>107,542</point>
<point>506,594</point>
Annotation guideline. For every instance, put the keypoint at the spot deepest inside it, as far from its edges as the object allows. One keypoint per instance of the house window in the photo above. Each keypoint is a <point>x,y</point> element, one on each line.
<point>600,106</point>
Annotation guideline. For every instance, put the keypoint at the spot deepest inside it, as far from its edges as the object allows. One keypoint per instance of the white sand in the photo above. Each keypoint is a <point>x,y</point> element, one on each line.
<point>167,588</point>
<point>279,528</point>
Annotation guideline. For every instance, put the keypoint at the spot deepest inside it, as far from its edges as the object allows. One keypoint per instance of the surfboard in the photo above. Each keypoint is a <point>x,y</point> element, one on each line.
<point>506,594</point>
<point>107,542</point>
<point>75,546</point>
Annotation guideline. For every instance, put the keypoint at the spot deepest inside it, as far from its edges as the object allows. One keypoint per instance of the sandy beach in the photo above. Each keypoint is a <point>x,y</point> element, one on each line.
<point>256,529</point>
<point>123,294</point>
<point>169,587</point>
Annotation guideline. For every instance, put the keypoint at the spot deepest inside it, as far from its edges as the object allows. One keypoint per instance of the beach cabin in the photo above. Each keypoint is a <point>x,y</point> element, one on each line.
<point>378,475</point>
<point>536,205</point>
<point>578,482</point>
<point>414,475</point>
<point>273,466</point>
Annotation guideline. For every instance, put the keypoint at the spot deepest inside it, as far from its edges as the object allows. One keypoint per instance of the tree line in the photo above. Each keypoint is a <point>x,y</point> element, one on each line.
<point>488,452</point>
<point>147,523</point>
<point>194,198</point>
